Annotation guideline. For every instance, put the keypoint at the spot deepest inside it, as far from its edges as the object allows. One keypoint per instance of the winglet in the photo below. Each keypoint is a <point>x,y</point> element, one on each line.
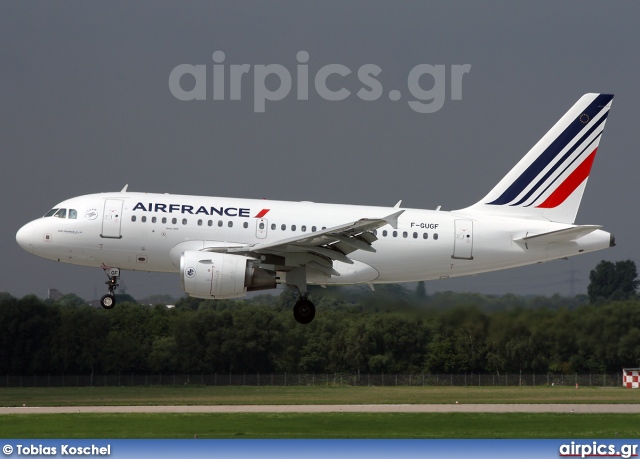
<point>393,219</point>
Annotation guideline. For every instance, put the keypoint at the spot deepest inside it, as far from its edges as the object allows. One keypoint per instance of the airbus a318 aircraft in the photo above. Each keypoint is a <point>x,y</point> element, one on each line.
<point>226,247</point>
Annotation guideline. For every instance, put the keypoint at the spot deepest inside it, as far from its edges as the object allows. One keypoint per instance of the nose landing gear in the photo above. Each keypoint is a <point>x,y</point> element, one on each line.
<point>108,301</point>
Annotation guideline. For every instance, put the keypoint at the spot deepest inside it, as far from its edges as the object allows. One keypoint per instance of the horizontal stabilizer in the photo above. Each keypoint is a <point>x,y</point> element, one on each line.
<point>564,235</point>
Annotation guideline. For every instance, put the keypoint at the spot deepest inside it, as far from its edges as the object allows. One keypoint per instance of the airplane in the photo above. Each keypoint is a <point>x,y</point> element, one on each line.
<point>227,247</point>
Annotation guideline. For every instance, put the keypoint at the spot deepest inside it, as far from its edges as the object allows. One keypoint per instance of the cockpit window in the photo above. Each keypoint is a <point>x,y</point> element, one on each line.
<point>62,213</point>
<point>73,213</point>
<point>51,212</point>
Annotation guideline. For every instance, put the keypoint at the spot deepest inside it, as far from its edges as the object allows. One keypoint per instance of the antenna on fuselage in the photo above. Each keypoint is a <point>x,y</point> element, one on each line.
<point>124,190</point>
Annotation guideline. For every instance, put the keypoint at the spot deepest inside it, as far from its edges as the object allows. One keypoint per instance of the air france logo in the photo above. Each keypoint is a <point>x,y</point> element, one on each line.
<point>190,272</point>
<point>193,210</point>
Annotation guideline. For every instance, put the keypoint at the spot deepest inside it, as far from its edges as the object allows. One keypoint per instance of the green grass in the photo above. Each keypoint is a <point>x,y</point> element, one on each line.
<point>302,395</point>
<point>315,425</point>
<point>330,425</point>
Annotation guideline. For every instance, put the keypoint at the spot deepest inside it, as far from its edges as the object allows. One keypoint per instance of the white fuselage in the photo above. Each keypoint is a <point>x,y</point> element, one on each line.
<point>148,232</point>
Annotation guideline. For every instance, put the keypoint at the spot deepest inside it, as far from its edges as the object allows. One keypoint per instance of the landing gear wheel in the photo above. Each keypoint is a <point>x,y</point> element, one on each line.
<point>304,311</point>
<point>108,301</point>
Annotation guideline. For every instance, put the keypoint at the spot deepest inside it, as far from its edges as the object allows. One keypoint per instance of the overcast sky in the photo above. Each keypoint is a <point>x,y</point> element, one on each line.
<point>86,107</point>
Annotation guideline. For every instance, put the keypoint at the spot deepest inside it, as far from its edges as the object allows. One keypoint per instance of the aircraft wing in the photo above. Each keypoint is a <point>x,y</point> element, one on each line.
<point>320,248</point>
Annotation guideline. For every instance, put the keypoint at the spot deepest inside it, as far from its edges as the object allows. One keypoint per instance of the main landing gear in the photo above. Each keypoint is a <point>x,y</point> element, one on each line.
<point>304,311</point>
<point>108,301</point>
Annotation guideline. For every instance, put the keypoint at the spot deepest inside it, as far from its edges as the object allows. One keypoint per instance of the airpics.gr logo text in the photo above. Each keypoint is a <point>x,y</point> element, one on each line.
<point>426,83</point>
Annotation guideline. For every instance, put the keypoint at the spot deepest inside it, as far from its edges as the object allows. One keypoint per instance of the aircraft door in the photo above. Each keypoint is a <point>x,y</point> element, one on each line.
<point>463,242</point>
<point>112,218</point>
<point>261,228</point>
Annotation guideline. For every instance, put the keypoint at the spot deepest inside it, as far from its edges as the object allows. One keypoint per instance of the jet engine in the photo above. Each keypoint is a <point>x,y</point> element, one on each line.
<point>221,275</point>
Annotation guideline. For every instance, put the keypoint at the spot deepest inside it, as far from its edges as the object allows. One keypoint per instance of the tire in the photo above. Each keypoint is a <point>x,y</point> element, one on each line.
<point>108,301</point>
<point>304,311</point>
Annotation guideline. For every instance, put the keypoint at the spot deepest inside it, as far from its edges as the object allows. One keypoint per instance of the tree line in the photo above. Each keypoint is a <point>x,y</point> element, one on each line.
<point>390,331</point>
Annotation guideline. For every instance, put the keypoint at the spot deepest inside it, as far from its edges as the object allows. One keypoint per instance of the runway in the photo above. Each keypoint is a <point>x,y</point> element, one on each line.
<point>391,408</point>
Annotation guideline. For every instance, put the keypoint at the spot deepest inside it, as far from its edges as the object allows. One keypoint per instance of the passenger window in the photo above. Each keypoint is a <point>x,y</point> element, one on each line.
<point>425,236</point>
<point>293,227</point>
<point>283,227</point>
<point>184,221</point>
<point>313,229</point>
<point>219,222</point>
<point>303,228</point>
<point>144,219</point>
<point>415,235</point>
<point>133,218</point>
<point>199,222</point>
<point>51,212</point>
<point>374,232</point>
<point>405,234</point>
<point>164,219</point>
<point>210,223</point>
<point>174,220</point>
<point>273,226</point>
<point>73,213</point>
<point>230,225</point>
<point>384,233</point>
<point>154,219</point>
<point>395,234</point>
<point>62,213</point>
<point>261,225</point>
<point>246,225</point>
<point>435,236</point>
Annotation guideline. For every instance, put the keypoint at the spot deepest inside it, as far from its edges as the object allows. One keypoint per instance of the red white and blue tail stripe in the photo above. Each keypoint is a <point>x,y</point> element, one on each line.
<point>549,181</point>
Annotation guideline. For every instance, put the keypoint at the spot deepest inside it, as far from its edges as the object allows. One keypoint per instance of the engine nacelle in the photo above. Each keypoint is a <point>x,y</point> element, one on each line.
<point>221,275</point>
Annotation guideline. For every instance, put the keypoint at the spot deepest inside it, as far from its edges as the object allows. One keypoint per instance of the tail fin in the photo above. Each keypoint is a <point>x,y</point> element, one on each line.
<point>548,183</point>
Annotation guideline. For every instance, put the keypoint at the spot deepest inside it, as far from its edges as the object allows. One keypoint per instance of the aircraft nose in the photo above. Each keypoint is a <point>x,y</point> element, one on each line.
<point>24,237</point>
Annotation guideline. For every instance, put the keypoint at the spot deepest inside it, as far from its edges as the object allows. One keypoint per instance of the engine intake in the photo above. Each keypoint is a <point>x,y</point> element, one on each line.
<point>221,275</point>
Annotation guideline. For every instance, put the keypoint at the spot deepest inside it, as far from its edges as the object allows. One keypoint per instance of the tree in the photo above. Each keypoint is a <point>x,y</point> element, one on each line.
<point>613,281</point>
<point>70,300</point>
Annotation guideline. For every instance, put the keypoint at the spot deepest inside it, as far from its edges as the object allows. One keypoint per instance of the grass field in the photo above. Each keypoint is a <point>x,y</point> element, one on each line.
<point>303,395</point>
<point>320,425</point>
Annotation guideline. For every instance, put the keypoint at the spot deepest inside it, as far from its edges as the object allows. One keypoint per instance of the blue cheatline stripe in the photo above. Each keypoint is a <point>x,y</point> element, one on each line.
<point>564,158</point>
<point>552,151</point>
<point>565,169</point>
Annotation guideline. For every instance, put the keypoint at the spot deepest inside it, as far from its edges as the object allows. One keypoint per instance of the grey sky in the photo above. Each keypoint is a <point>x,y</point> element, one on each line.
<point>86,107</point>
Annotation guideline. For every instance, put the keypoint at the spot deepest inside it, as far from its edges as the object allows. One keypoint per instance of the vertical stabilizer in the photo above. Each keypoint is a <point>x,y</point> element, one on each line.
<point>548,183</point>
